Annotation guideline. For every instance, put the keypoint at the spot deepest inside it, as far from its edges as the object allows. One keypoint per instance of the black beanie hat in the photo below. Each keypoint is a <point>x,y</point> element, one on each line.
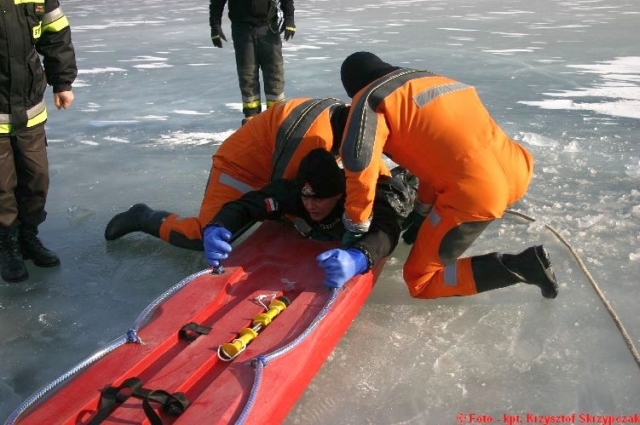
<point>361,68</point>
<point>320,175</point>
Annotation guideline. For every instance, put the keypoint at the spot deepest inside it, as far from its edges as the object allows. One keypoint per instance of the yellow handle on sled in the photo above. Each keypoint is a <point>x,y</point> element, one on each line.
<point>275,307</point>
<point>237,346</point>
<point>230,350</point>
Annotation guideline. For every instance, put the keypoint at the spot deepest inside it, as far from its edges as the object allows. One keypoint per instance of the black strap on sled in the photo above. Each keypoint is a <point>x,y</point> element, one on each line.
<point>192,330</point>
<point>112,397</point>
<point>172,404</point>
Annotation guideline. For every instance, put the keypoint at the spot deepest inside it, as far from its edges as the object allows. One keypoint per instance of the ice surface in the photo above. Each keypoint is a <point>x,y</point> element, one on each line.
<point>154,99</point>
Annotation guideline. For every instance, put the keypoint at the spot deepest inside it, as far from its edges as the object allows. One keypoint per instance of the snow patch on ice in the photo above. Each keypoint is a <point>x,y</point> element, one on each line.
<point>195,138</point>
<point>536,140</point>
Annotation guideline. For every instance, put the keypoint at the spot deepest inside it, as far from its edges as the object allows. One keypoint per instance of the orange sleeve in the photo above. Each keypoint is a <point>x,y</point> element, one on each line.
<point>361,151</point>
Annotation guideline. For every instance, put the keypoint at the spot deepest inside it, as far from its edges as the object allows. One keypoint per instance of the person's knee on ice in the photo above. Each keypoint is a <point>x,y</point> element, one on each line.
<point>440,280</point>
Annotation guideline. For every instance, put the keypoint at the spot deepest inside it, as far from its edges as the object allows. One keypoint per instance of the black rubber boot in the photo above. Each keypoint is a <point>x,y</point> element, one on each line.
<point>138,218</point>
<point>532,266</point>
<point>33,249</point>
<point>12,265</point>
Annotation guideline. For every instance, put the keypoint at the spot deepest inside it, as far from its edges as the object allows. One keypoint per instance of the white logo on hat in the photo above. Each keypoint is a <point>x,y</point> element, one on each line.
<point>307,190</point>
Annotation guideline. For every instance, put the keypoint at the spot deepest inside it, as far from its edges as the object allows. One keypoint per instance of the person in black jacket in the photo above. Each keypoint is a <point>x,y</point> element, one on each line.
<point>316,199</point>
<point>255,30</point>
<point>29,30</point>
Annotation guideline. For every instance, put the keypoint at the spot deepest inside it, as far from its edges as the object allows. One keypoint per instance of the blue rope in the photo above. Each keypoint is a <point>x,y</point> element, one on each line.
<point>261,361</point>
<point>130,337</point>
<point>258,363</point>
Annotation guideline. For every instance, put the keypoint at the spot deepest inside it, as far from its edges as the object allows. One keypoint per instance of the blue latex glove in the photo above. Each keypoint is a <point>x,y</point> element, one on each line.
<point>341,265</point>
<point>215,240</point>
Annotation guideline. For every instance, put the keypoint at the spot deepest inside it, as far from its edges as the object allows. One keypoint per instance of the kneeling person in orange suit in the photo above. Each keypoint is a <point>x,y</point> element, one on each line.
<point>268,147</point>
<point>316,196</point>
<point>469,171</point>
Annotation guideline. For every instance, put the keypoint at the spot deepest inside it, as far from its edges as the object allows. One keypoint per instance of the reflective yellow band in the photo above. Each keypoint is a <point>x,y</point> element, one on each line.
<point>38,119</point>
<point>56,25</point>
<point>35,115</point>
<point>251,105</point>
<point>28,1</point>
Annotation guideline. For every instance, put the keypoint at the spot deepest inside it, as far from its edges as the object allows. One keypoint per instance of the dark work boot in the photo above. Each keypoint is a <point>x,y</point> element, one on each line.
<point>32,248</point>
<point>138,218</point>
<point>13,267</point>
<point>532,266</point>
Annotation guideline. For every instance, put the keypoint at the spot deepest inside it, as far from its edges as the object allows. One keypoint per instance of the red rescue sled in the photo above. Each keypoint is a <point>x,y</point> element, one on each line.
<point>279,343</point>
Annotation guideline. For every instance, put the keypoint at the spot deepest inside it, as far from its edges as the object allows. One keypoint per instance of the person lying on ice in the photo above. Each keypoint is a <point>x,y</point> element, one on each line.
<point>268,147</point>
<point>469,171</point>
<point>316,196</point>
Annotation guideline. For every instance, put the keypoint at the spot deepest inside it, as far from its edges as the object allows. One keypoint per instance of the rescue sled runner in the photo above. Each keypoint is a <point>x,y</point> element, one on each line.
<point>235,347</point>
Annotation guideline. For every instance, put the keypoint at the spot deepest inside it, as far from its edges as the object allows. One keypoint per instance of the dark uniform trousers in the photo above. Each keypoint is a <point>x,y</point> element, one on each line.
<point>24,180</point>
<point>258,47</point>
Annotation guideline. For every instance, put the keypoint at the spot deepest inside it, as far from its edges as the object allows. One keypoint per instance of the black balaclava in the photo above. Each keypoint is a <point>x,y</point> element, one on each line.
<point>320,175</point>
<point>361,68</point>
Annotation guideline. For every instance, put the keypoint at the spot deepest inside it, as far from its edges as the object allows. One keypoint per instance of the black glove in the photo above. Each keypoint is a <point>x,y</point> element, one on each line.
<point>288,28</point>
<point>349,238</point>
<point>411,226</point>
<point>217,35</point>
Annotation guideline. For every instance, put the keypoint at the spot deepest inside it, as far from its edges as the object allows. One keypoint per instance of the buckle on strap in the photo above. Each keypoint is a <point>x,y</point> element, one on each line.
<point>192,330</point>
<point>112,397</point>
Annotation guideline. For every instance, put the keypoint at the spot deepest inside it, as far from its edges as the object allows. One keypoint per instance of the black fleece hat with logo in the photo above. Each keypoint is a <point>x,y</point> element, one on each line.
<point>361,68</point>
<point>320,175</point>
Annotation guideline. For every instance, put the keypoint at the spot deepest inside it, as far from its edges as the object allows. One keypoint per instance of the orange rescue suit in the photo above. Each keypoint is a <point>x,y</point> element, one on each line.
<point>469,170</point>
<point>267,147</point>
